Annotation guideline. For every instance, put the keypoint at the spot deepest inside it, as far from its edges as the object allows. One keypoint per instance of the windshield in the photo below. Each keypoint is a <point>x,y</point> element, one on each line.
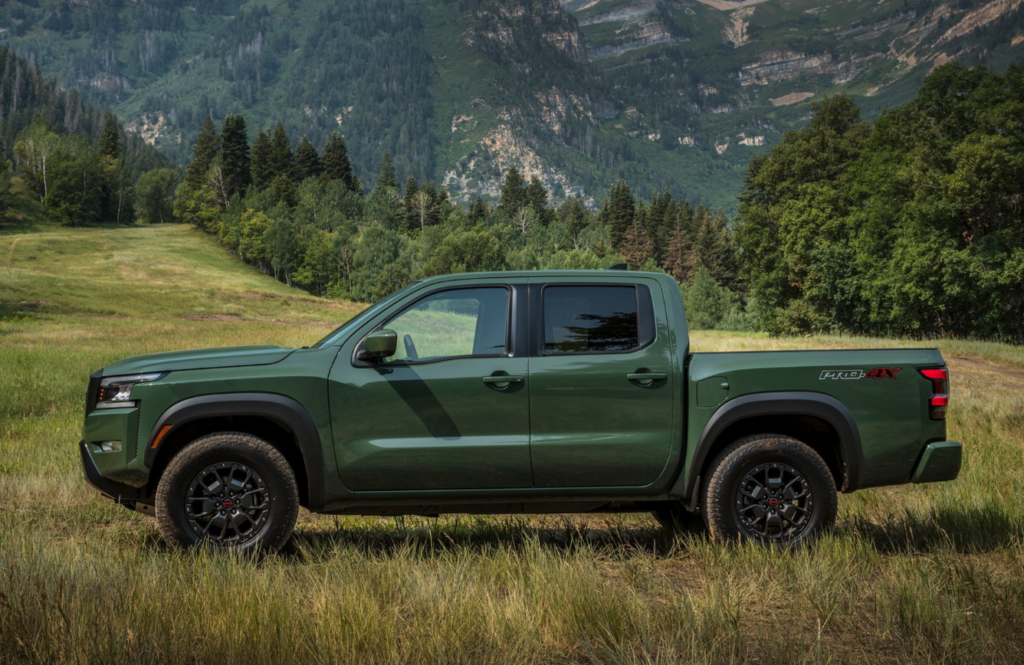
<point>358,319</point>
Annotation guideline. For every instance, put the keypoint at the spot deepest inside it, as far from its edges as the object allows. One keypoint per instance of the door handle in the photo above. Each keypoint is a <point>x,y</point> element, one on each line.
<point>646,378</point>
<point>503,378</point>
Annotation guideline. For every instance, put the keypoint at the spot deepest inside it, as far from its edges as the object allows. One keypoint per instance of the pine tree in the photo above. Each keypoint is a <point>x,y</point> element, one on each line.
<point>636,245</point>
<point>262,173</point>
<point>661,220</point>
<point>576,218</point>
<point>282,162</point>
<point>206,148</point>
<point>479,211</point>
<point>677,254</point>
<point>336,164</point>
<point>513,192</point>
<point>537,198</point>
<point>110,138</point>
<point>5,183</point>
<point>620,211</point>
<point>307,160</point>
<point>234,156</point>
<point>387,178</point>
<point>712,248</point>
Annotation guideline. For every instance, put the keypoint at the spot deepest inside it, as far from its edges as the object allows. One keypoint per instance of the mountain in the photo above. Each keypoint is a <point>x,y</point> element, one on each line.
<point>676,94</point>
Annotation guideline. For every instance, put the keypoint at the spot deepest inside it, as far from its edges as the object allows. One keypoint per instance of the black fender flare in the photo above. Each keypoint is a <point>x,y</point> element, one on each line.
<point>790,403</point>
<point>282,410</point>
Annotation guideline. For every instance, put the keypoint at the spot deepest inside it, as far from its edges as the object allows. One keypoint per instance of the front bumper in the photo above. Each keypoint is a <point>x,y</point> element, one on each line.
<point>119,492</point>
<point>939,461</point>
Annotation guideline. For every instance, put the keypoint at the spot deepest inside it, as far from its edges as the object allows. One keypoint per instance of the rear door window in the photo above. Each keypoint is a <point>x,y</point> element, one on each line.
<point>590,319</point>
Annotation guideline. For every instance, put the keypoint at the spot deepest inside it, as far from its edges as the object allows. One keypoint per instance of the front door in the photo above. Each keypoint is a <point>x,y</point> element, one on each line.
<point>602,399</point>
<point>449,411</point>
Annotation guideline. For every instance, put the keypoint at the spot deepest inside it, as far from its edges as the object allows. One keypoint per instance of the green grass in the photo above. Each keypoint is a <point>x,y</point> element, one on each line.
<point>910,574</point>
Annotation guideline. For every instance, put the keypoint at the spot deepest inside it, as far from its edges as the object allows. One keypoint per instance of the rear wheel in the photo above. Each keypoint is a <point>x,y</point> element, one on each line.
<point>771,489</point>
<point>231,490</point>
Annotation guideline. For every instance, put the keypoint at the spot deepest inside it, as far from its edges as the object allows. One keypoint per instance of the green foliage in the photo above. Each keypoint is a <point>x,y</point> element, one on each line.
<point>474,250</point>
<point>154,192</point>
<point>911,226</point>
<point>71,182</point>
<point>710,306</point>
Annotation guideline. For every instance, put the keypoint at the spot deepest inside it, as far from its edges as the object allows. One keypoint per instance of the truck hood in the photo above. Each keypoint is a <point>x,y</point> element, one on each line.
<point>234,356</point>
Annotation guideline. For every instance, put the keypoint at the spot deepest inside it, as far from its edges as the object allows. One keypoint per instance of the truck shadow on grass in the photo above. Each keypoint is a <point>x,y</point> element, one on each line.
<point>977,529</point>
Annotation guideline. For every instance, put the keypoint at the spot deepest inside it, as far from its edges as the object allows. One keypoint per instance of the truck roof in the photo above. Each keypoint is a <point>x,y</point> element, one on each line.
<point>583,275</point>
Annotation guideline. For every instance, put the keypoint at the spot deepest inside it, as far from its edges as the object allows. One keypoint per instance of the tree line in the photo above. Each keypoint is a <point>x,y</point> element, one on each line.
<point>301,215</point>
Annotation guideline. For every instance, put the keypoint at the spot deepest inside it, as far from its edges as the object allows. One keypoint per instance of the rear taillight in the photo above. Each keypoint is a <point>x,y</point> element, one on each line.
<point>939,399</point>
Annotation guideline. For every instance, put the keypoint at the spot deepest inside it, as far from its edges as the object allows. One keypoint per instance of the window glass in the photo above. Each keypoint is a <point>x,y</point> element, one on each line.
<point>462,322</point>
<point>590,319</point>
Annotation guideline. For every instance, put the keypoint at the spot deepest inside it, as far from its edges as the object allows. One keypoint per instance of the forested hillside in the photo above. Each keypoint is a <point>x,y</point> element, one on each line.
<point>74,158</point>
<point>676,95</point>
<point>908,226</point>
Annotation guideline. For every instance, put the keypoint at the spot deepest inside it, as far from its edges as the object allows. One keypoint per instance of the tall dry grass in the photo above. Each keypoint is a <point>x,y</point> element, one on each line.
<point>910,574</point>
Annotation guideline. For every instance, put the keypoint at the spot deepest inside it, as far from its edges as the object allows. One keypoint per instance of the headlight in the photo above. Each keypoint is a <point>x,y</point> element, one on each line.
<point>115,391</point>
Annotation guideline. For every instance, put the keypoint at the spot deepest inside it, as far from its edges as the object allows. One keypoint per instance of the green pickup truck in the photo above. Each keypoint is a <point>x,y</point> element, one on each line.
<point>512,392</point>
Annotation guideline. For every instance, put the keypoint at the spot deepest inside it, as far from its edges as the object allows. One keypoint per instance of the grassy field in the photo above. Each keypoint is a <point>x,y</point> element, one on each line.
<point>922,573</point>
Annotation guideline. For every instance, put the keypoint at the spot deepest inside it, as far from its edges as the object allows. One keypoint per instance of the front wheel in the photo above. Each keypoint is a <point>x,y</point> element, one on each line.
<point>770,489</point>
<point>231,490</point>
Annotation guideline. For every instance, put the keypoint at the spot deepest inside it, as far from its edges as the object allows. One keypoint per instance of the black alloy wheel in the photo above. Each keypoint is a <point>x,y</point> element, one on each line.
<point>774,502</point>
<point>228,503</point>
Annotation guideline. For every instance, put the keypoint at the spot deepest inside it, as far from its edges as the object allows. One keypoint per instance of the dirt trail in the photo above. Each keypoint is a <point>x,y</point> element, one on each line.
<point>1004,376</point>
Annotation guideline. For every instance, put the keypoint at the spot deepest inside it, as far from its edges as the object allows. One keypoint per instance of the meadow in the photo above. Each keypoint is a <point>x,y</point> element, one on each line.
<point>931,573</point>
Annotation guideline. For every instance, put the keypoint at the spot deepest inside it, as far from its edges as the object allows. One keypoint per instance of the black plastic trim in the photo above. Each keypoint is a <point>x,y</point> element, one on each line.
<point>93,391</point>
<point>282,410</point>
<point>790,403</point>
<point>117,491</point>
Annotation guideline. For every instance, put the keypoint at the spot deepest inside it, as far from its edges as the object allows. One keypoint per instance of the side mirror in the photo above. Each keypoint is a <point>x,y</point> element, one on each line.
<point>379,344</point>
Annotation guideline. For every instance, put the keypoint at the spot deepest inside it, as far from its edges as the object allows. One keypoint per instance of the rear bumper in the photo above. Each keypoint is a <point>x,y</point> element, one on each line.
<point>119,492</point>
<point>939,461</point>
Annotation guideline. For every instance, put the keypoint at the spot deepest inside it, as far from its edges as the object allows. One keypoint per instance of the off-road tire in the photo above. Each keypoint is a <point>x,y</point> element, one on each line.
<point>734,470</point>
<point>675,518</point>
<point>229,448</point>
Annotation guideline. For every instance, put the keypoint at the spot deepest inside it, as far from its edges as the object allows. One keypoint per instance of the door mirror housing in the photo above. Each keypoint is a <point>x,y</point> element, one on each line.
<point>379,344</point>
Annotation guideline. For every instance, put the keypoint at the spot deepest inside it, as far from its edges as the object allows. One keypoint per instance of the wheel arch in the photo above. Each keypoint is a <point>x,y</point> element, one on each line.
<point>821,421</point>
<point>281,421</point>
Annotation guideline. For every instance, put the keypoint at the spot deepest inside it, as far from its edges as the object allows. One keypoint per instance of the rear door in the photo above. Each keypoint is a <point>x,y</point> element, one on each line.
<point>601,383</point>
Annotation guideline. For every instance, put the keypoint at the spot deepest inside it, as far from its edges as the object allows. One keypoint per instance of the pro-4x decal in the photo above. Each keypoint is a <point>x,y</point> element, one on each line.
<point>883,373</point>
<point>848,374</point>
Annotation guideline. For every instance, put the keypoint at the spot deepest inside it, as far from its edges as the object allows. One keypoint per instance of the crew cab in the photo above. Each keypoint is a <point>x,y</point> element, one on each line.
<point>512,392</point>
